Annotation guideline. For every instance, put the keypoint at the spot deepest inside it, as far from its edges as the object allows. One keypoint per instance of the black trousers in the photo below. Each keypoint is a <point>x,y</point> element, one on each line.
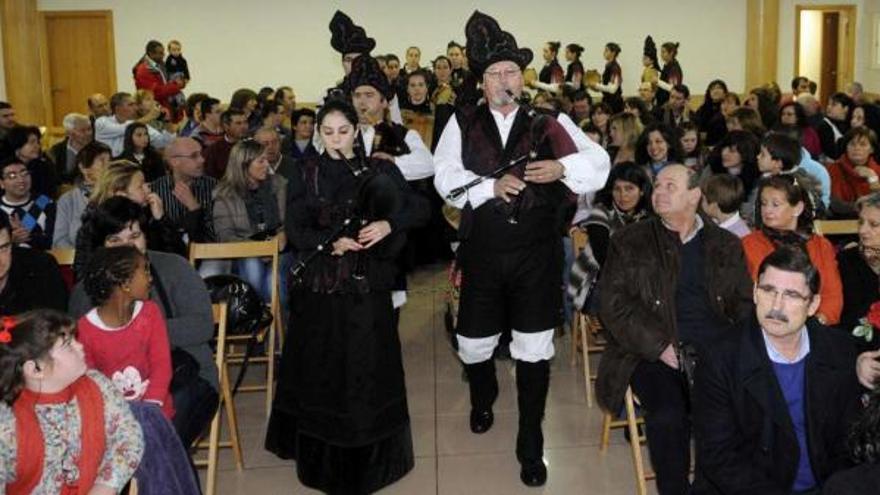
<point>195,405</point>
<point>663,394</point>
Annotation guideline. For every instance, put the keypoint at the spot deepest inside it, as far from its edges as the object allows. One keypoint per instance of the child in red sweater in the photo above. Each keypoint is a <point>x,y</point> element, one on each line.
<point>124,335</point>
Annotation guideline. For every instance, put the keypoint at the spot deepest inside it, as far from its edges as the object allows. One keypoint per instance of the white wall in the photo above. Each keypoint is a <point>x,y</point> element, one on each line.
<point>231,44</point>
<point>871,78</point>
<point>810,45</point>
<point>2,71</point>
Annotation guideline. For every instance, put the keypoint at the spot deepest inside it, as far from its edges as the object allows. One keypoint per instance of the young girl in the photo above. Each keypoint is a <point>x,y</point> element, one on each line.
<point>49,442</point>
<point>137,149</point>
<point>124,335</point>
<point>691,148</point>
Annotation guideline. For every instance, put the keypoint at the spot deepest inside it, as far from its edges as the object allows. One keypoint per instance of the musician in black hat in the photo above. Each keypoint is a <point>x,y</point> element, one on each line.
<point>511,252</point>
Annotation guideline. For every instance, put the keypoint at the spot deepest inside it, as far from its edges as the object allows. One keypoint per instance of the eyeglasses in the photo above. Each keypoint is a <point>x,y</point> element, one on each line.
<point>192,156</point>
<point>24,174</point>
<point>498,74</point>
<point>788,296</point>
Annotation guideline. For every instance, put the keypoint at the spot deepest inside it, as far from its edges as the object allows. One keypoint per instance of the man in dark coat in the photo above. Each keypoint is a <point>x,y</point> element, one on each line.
<point>773,403</point>
<point>671,282</point>
<point>29,279</point>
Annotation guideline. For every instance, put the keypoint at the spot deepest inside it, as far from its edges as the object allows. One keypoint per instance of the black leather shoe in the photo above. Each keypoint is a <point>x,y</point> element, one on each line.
<point>481,421</point>
<point>533,473</point>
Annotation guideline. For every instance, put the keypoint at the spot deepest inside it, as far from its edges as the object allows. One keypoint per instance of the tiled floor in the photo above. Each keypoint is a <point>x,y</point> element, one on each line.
<point>449,458</point>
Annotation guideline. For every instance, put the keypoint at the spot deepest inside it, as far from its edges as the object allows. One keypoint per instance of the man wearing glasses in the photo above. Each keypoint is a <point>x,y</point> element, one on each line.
<point>186,191</point>
<point>773,403</point>
<point>32,218</point>
<point>511,251</point>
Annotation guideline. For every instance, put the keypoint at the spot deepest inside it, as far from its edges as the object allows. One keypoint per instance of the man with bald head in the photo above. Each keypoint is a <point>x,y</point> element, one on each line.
<point>99,106</point>
<point>186,191</point>
<point>670,286</point>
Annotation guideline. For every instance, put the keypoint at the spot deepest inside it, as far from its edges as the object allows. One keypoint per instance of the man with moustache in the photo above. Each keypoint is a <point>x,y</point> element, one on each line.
<point>511,272</point>
<point>773,403</point>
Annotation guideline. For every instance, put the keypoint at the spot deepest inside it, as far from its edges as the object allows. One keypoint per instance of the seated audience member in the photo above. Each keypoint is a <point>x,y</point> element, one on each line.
<point>746,119</point>
<point>186,191</point>
<point>859,266</point>
<point>864,450</point>
<point>99,106</point>
<point>657,146</point>
<point>780,154</point>
<point>581,101</point>
<point>272,115</point>
<point>193,114</point>
<point>784,217</point>
<point>637,107</point>
<point>717,127</point>
<point>250,202</point>
<point>834,126</point>
<point>710,110</point>
<point>185,304</point>
<point>812,109</point>
<point>303,123</point>
<point>737,155</point>
<point>287,97</point>
<point>761,100</point>
<point>29,279</point>
<point>145,102</point>
<point>279,163</point>
<point>626,198</point>
<point>77,134</point>
<point>866,115</point>
<point>807,164</point>
<point>723,196</point>
<point>31,215</point>
<point>150,74</point>
<point>235,128</point>
<point>110,129</point>
<point>693,154</point>
<point>856,173</point>
<point>677,110</point>
<point>773,402</point>
<point>245,101</point>
<point>24,143</point>
<point>7,118</point>
<point>649,318</point>
<point>63,429</point>
<point>210,129</point>
<point>648,93</point>
<point>90,162</point>
<point>624,130</point>
<point>124,335</point>
<point>792,113</point>
<point>600,116</point>
<point>123,178</point>
<point>138,150</point>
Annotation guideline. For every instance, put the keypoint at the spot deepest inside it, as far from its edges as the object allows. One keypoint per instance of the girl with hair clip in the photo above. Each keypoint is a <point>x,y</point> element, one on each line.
<point>137,149</point>
<point>784,215</point>
<point>693,152</point>
<point>612,79</point>
<point>551,77</point>
<point>124,334</point>
<point>671,74</point>
<point>63,429</point>
<point>574,73</point>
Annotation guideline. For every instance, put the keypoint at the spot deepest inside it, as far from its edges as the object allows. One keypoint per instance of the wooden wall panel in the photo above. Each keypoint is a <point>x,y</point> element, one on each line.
<point>762,41</point>
<point>21,56</point>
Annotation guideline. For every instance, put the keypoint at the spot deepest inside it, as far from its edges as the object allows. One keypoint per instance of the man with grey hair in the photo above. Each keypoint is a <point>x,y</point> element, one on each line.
<point>856,91</point>
<point>110,129</point>
<point>812,108</point>
<point>670,286</point>
<point>78,133</point>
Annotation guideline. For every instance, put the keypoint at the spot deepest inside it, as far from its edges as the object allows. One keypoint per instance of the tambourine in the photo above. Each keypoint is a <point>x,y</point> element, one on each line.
<point>650,75</point>
<point>592,77</point>
<point>530,75</point>
<point>452,216</point>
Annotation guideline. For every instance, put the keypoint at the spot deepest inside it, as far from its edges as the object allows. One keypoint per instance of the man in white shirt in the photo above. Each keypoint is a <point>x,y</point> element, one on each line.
<point>511,252</point>
<point>110,129</point>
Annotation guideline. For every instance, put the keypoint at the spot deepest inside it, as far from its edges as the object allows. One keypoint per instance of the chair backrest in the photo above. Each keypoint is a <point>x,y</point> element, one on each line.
<point>232,250</point>
<point>219,311</point>
<point>63,256</point>
<point>836,227</point>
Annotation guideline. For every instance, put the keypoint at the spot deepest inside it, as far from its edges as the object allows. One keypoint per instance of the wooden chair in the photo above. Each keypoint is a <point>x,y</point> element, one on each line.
<point>251,249</point>
<point>63,256</point>
<point>632,424</point>
<point>836,227</point>
<point>583,327</point>
<point>226,402</point>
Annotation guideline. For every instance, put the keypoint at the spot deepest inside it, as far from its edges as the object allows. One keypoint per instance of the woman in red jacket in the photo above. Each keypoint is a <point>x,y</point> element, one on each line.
<point>784,216</point>
<point>856,173</point>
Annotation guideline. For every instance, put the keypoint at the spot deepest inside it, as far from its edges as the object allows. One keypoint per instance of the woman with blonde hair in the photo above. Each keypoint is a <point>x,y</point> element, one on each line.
<point>125,178</point>
<point>624,132</point>
<point>249,204</point>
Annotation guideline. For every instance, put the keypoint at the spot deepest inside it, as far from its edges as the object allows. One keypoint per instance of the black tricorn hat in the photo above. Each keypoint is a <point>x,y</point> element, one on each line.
<point>347,37</point>
<point>487,44</point>
<point>650,49</point>
<point>365,71</point>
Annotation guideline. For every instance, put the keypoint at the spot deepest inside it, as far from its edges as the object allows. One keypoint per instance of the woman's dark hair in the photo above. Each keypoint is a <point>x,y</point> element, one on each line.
<point>263,95</point>
<point>844,100</point>
<point>128,141</point>
<point>798,113</point>
<point>112,217</point>
<point>715,82</point>
<point>454,44</point>
<point>872,116</point>
<point>439,58</point>
<point>241,97</point>
<point>269,107</point>
<point>627,172</point>
<point>671,48</point>
<point>709,107</point>
<point>794,194</point>
<point>683,129</point>
<point>554,47</point>
<point>767,108</point>
<point>33,336</point>
<point>750,120</point>
<point>192,102</point>
<point>793,259</point>
<point>206,105</point>
<point>673,145</point>
<point>18,136</point>
<point>639,104</point>
<point>859,133</point>
<point>300,113</point>
<point>864,436</point>
<point>613,48</point>
<point>576,49</point>
<point>86,157</point>
<point>340,106</point>
<point>108,269</point>
<point>748,146</point>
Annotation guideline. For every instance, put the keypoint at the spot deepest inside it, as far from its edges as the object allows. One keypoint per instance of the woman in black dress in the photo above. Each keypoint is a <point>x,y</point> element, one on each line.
<point>340,408</point>
<point>574,73</point>
<point>671,74</point>
<point>552,72</point>
<point>612,79</point>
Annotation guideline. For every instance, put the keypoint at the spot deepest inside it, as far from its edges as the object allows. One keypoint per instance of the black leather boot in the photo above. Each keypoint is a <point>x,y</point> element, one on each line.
<point>484,390</point>
<point>532,384</point>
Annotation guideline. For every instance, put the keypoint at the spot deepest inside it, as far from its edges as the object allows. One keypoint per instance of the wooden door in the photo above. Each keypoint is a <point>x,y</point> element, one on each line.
<point>80,59</point>
<point>830,37</point>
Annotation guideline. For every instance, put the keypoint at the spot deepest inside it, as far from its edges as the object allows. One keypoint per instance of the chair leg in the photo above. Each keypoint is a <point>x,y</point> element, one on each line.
<point>231,418</point>
<point>575,323</point>
<point>606,432</point>
<point>588,382</point>
<point>213,450</point>
<point>270,368</point>
<point>635,443</point>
